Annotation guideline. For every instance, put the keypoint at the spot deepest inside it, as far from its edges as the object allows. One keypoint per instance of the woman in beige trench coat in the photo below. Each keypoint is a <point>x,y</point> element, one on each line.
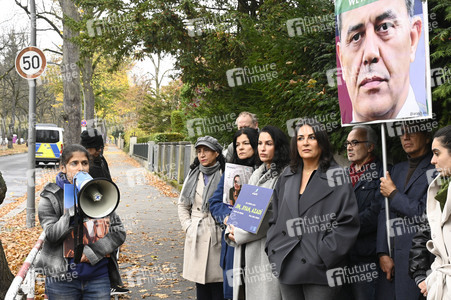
<point>203,237</point>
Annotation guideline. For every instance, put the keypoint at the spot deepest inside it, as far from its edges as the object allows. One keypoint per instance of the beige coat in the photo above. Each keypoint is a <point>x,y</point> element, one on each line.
<point>202,241</point>
<point>259,281</point>
<point>439,281</point>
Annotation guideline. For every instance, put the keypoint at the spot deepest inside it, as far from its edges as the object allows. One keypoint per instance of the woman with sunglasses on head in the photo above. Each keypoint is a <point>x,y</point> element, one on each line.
<point>65,279</point>
<point>252,271</point>
<point>203,237</point>
<point>245,153</point>
<point>315,220</point>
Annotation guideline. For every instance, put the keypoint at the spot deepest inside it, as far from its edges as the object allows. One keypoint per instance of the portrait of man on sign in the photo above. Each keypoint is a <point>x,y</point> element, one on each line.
<point>381,60</point>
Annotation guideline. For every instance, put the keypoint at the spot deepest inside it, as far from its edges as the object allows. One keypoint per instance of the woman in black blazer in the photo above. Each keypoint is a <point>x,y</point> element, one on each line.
<point>315,220</point>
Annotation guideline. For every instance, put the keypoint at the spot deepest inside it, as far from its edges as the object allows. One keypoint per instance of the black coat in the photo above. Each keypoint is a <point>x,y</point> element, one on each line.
<point>420,259</point>
<point>302,254</point>
<point>369,200</point>
<point>407,207</point>
<point>98,168</point>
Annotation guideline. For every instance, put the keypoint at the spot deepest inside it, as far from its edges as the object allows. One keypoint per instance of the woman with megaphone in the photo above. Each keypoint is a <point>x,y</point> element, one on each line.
<point>65,276</point>
<point>203,237</point>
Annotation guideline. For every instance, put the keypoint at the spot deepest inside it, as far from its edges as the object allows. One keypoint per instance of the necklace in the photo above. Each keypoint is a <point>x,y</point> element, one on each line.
<point>309,172</point>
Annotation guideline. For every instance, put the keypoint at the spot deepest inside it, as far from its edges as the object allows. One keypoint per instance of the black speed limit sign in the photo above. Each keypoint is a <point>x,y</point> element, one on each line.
<point>30,63</point>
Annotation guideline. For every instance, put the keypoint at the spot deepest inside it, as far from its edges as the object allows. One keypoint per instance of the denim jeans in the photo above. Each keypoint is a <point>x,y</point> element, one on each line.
<point>97,289</point>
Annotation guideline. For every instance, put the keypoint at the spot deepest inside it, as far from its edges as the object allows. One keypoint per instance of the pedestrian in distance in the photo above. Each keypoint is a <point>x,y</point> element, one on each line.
<point>252,274</point>
<point>203,237</point>
<point>315,218</point>
<point>66,279</point>
<point>245,153</point>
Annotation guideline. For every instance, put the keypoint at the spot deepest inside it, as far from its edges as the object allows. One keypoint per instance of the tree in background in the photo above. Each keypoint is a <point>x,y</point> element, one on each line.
<point>155,115</point>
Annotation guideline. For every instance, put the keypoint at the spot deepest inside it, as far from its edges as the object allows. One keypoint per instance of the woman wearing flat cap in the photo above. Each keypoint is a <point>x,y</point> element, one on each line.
<point>203,236</point>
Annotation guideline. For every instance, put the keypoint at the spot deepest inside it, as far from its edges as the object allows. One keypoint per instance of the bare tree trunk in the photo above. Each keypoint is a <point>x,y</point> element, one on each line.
<point>6,277</point>
<point>11,125</point>
<point>87,73</point>
<point>71,55</point>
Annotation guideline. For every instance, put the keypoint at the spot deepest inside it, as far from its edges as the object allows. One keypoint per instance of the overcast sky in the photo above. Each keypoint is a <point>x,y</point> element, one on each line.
<point>14,17</point>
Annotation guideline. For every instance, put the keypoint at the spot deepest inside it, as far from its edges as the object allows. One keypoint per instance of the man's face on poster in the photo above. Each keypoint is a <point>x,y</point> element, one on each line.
<point>378,42</point>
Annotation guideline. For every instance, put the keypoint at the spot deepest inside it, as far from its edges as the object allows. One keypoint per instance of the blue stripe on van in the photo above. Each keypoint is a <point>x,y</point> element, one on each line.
<point>37,147</point>
<point>55,150</point>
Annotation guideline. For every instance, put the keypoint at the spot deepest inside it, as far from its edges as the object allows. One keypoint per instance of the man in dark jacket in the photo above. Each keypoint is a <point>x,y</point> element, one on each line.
<point>92,140</point>
<point>406,188</point>
<point>365,172</point>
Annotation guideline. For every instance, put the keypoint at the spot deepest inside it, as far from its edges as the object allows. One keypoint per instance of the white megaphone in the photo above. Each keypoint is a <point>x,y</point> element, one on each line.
<point>96,198</point>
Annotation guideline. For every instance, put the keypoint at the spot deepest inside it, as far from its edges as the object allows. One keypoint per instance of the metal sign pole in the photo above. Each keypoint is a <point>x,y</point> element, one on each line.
<point>31,173</point>
<point>387,207</point>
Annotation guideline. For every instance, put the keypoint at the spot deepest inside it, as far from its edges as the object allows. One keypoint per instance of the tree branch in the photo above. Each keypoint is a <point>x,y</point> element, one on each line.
<point>38,16</point>
<point>7,72</point>
<point>53,51</point>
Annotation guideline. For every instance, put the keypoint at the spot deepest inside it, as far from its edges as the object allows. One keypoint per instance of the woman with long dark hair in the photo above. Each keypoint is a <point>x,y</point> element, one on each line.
<point>252,271</point>
<point>438,283</point>
<point>203,238</point>
<point>315,219</point>
<point>244,153</point>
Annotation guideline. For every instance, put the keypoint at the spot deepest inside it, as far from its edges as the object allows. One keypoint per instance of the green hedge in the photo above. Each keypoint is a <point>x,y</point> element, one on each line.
<point>144,139</point>
<point>167,137</point>
<point>162,137</point>
<point>177,121</point>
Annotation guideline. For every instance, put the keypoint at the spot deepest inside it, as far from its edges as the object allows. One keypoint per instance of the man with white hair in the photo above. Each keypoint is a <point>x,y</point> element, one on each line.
<point>244,120</point>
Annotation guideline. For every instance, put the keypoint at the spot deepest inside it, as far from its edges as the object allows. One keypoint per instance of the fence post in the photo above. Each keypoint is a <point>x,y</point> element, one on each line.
<point>171,166</point>
<point>162,166</point>
<point>150,149</point>
<point>182,165</point>
<point>133,141</point>
<point>156,157</point>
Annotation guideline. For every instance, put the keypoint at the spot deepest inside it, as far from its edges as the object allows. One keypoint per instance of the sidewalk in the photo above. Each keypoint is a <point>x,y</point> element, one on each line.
<point>151,258</point>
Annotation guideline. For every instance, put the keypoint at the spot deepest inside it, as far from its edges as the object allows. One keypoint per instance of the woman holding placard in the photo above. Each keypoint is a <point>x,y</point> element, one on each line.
<point>315,220</point>
<point>245,154</point>
<point>252,271</point>
<point>203,237</point>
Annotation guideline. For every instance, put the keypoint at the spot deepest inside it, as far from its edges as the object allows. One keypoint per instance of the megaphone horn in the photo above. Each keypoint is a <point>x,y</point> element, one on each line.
<point>97,198</point>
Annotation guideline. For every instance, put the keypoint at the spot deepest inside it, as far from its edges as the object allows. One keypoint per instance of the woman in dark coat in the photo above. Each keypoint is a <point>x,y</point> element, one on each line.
<point>315,220</point>
<point>244,153</point>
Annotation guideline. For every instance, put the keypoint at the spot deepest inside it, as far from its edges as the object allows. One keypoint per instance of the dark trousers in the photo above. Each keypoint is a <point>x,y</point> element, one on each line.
<point>308,292</point>
<point>210,291</point>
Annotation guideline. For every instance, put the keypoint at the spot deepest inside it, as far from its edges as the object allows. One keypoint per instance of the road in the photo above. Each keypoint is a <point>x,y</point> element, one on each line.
<point>14,170</point>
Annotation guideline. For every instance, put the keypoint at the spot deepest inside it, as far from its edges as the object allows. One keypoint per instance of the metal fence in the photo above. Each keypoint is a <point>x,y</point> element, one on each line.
<point>170,160</point>
<point>141,150</point>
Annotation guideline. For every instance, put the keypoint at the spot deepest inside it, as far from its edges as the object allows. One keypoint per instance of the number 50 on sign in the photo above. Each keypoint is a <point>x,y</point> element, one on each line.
<point>30,63</point>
